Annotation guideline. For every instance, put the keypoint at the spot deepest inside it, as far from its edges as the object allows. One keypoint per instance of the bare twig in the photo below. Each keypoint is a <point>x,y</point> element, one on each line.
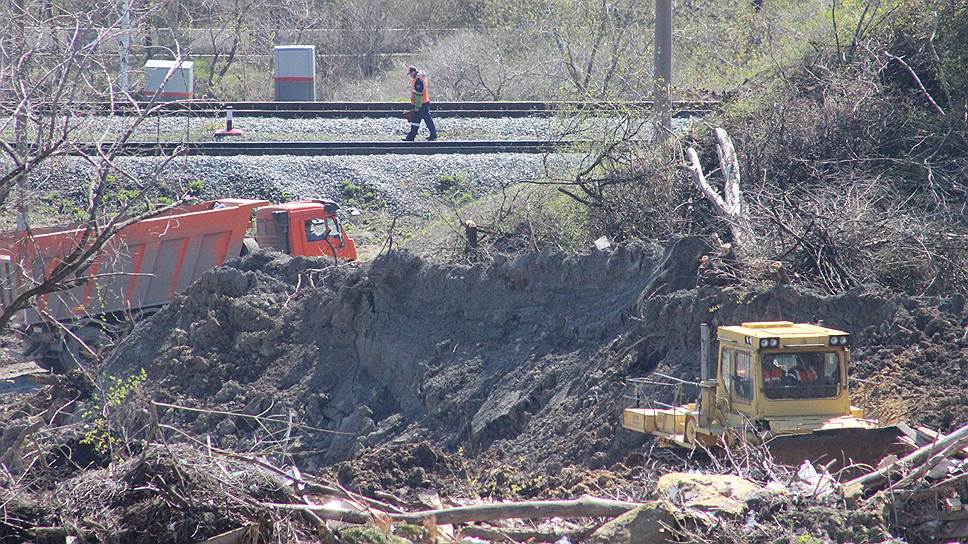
<point>917,81</point>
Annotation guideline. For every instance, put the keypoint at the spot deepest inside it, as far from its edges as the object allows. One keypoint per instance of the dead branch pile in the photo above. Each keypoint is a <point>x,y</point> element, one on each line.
<point>167,494</point>
<point>196,492</point>
<point>852,165</point>
<point>927,489</point>
<point>180,493</point>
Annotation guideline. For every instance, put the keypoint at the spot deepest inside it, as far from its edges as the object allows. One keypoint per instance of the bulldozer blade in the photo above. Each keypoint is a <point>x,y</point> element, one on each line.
<point>841,449</point>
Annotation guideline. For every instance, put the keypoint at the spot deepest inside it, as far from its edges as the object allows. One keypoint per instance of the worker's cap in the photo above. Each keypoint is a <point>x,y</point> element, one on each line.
<point>412,69</point>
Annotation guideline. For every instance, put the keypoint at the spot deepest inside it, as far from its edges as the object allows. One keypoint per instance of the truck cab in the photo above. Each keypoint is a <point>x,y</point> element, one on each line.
<point>308,228</point>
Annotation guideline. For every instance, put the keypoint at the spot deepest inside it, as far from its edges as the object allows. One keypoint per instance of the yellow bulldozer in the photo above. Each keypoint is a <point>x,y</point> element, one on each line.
<point>776,383</point>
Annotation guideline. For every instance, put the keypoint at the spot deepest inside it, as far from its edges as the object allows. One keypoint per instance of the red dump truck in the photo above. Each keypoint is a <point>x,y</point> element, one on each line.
<point>147,263</point>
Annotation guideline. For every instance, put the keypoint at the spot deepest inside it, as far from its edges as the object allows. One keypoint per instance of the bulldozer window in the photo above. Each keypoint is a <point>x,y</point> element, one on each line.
<point>743,376</point>
<point>726,368</point>
<point>805,375</point>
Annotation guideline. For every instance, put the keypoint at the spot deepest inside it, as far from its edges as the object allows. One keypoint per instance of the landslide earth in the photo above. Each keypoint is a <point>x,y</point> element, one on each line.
<point>519,366</point>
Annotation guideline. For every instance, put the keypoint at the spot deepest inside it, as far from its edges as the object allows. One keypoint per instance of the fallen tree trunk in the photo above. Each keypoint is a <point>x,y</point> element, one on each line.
<point>927,455</point>
<point>524,535</point>
<point>585,507</point>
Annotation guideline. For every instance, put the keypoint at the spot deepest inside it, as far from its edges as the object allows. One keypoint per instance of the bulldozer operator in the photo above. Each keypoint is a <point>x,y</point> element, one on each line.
<point>803,373</point>
<point>772,374</point>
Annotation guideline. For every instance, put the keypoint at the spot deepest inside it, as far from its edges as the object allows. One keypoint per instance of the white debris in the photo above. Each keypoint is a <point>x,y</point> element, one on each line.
<point>810,482</point>
<point>776,486</point>
<point>673,494</point>
<point>942,469</point>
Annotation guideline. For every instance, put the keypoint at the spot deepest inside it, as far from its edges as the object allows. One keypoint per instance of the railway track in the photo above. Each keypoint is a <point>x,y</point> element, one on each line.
<point>230,148</point>
<point>309,110</point>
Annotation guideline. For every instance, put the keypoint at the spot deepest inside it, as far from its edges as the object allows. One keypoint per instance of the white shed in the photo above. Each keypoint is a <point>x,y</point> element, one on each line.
<point>295,76</point>
<point>179,86</point>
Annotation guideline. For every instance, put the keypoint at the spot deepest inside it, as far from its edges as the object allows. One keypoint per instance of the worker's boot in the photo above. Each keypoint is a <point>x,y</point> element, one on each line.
<point>413,132</point>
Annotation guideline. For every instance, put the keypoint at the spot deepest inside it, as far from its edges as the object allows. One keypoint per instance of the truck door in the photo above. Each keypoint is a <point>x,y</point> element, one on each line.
<point>743,378</point>
<point>316,235</point>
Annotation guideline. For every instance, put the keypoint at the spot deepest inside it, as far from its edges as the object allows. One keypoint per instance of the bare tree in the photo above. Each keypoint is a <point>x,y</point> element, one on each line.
<point>367,31</point>
<point>598,43</point>
<point>46,105</point>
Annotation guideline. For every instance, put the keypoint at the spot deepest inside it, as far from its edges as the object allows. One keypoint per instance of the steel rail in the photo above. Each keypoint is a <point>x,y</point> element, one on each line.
<point>211,108</point>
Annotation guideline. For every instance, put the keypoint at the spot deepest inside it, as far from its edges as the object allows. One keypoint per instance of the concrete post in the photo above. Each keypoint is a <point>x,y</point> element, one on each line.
<point>20,71</point>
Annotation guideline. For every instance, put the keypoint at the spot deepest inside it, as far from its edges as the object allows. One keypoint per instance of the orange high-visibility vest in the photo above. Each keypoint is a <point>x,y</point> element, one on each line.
<point>807,374</point>
<point>425,95</point>
<point>772,375</point>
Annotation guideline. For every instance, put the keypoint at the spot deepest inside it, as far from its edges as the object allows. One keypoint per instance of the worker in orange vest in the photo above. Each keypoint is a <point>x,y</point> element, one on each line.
<point>772,374</point>
<point>420,105</point>
<point>804,373</point>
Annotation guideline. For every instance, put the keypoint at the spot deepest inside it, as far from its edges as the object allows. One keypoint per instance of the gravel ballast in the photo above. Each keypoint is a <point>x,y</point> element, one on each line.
<point>185,128</point>
<point>403,183</point>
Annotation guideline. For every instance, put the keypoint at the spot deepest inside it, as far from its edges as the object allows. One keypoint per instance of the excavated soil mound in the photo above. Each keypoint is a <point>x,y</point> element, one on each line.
<point>519,363</point>
<point>464,356</point>
<point>419,472</point>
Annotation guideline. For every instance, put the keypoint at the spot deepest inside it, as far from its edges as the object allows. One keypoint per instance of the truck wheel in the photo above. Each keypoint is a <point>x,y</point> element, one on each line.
<point>249,246</point>
<point>74,353</point>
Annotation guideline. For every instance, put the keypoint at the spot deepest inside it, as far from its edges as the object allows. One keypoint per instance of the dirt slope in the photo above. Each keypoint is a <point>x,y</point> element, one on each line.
<point>463,355</point>
<point>517,363</point>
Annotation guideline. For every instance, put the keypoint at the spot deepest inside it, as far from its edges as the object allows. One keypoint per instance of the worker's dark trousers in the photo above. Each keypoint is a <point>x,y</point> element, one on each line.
<point>423,114</point>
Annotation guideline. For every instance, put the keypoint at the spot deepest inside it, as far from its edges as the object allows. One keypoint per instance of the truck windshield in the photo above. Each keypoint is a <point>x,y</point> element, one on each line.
<point>803,375</point>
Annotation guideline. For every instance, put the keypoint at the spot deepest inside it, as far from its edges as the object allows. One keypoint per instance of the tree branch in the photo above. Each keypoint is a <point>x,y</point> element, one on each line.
<point>917,80</point>
<point>585,507</point>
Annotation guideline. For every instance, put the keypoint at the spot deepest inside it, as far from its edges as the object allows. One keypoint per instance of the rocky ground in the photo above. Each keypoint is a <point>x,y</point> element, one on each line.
<point>402,184</point>
<point>174,127</point>
<point>397,184</point>
<point>408,379</point>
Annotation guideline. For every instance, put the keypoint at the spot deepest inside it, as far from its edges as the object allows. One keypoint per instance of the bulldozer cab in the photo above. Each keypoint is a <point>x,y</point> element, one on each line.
<point>778,369</point>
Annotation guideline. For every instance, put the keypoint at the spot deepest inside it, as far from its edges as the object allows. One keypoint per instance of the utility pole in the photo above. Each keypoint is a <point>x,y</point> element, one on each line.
<point>663,69</point>
<point>124,46</point>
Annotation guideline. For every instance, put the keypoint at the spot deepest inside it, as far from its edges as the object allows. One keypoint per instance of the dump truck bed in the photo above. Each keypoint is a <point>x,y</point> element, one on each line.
<point>144,265</point>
